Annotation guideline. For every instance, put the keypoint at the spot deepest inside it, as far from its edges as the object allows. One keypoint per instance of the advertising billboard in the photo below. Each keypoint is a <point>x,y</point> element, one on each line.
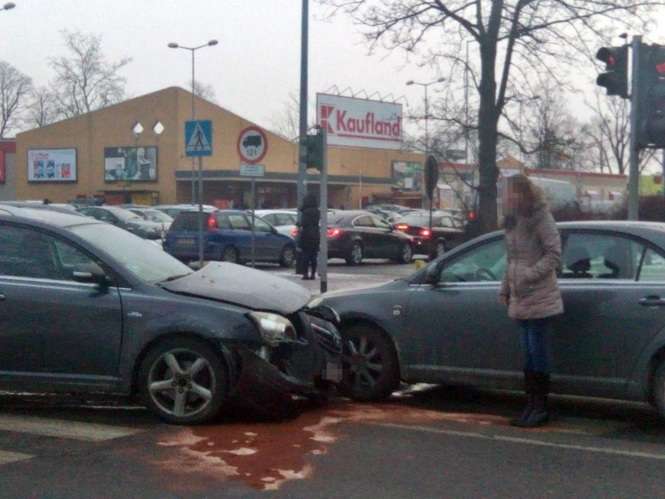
<point>130,164</point>
<point>408,175</point>
<point>52,165</point>
<point>360,122</point>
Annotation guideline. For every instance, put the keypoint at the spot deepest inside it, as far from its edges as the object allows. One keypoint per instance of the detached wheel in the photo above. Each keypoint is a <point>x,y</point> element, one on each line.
<point>371,370</point>
<point>183,381</point>
<point>406,254</point>
<point>288,256</point>
<point>355,256</point>
<point>230,254</point>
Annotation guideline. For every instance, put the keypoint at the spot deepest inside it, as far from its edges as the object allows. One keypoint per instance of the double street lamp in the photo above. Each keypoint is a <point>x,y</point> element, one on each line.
<point>426,86</point>
<point>193,50</point>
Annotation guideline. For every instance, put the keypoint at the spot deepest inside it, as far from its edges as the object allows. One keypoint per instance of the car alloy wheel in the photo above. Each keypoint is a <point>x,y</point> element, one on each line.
<point>288,256</point>
<point>230,255</point>
<point>440,248</point>
<point>356,255</point>
<point>369,363</point>
<point>407,253</point>
<point>181,383</point>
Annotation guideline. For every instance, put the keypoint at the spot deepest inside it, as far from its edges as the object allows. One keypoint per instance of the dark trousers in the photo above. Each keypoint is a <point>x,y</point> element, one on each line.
<point>534,344</point>
<point>310,256</point>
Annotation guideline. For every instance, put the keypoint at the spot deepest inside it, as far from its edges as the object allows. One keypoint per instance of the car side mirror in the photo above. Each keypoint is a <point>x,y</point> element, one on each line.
<point>432,275</point>
<point>90,273</point>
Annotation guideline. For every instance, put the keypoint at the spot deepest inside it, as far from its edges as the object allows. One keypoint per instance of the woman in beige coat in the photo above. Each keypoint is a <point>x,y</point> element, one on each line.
<point>530,287</point>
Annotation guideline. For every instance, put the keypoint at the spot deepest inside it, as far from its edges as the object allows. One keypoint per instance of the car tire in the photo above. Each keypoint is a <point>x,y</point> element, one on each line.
<point>288,256</point>
<point>204,391</point>
<point>371,370</point>
<point>230,254</point>
<point>355,256</point>
<point>405,254</point>
<point>658,390</point>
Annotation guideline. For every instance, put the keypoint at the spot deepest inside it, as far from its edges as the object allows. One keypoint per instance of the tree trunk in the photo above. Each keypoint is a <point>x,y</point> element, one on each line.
<point>487,138</point>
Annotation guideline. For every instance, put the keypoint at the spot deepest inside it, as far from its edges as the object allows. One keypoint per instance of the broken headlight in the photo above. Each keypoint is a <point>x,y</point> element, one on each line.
<point>274,328</point>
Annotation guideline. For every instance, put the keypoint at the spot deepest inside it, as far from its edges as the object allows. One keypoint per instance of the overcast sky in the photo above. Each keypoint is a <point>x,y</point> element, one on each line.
<point>252,70</point>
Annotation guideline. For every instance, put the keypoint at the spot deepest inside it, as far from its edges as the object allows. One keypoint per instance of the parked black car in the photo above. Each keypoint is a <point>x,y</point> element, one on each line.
<point>445,324</point>
<point>89,307</point>
<point>124,219</point>
<point>355,235</point>
<point>446,232</point>
<point>228,237</point>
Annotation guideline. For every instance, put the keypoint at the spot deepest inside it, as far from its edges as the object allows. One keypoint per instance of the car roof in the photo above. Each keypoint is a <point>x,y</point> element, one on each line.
<point>45,217</point>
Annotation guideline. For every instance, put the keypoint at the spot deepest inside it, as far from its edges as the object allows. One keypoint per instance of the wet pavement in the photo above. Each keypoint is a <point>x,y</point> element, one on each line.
<point>423,441</point>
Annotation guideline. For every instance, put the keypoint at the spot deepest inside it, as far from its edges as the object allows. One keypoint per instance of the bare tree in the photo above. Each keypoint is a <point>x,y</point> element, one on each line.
<point>41,111</point>
<point>522,37</point>
<point>204,91</point>
<point>84,80</point>
<point>610,132</point>
<point>287,122</point>
<point>14,89</point>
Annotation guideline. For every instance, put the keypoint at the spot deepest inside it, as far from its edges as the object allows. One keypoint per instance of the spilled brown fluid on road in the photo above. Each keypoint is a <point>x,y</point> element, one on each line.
<point>266,455</point>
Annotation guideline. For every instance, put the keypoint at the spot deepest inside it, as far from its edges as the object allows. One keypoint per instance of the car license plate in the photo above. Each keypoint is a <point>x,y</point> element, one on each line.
<point>333,372</point>
<point>186,243</point>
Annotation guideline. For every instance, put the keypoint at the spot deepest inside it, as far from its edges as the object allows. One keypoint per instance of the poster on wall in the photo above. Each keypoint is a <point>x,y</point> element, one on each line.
<point>52,165</point>
<point>360,122</point>
<point>130,164</point>
<point>408,175</point>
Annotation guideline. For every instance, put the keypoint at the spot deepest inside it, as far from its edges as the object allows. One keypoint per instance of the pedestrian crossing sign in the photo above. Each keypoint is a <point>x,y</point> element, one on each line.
<point>198,138</point>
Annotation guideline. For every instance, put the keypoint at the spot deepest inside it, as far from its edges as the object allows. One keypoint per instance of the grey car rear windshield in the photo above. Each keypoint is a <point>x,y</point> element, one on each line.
<point>144,259</point>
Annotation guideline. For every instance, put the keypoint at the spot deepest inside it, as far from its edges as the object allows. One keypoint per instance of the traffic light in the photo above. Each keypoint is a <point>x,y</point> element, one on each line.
<point>651,105</point>
<point>314,145</point>
<point>615,78</point>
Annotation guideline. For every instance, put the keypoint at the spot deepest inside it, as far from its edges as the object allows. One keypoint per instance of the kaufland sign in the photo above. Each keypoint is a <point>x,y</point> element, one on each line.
<point>360,122</point>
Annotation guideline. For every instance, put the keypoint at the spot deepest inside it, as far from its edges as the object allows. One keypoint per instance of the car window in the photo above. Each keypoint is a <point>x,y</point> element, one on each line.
<point>29,253</point>
<point>365,221</point>
<point>189,221</point>
<point>239,222</point>
<point>653,267</point>
<point>284,219</point>
<point>271,218</point>
<point>380,223</point>
<point>104,216</point>
<point>482,263</point>
<point>600,256</point>
<point>261,226</point>
<point>223,221</point>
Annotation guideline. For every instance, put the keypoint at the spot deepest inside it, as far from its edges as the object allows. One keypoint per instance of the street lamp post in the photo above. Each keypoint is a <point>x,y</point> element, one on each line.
<point>193,50</point>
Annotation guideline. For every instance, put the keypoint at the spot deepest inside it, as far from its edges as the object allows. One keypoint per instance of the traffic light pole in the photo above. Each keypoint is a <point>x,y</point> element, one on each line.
<point>302,159</point>
<point>634,178</point>
<point>323,250</point>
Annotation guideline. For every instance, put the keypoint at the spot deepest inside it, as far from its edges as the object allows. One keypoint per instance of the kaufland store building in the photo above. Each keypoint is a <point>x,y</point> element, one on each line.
<point>135,152</point>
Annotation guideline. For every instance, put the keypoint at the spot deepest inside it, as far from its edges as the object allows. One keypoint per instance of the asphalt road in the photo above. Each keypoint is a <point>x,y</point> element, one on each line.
<point>425,442</point>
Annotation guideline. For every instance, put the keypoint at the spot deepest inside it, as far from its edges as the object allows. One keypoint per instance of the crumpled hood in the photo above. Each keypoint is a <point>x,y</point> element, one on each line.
<point>243,286</point>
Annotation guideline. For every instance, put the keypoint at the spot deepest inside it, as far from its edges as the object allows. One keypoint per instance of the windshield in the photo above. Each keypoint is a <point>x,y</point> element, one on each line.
<point>157,216</point>
<point>144,259</point>
<point>125,215</point>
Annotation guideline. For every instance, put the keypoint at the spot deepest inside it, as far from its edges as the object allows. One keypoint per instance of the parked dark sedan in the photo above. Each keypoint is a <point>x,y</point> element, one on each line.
<point>446,232</point>
<point>124,219</point>
<point>444,324</point>
<point>228,237</point>
<point>88,307</point>
<point>355,235</point>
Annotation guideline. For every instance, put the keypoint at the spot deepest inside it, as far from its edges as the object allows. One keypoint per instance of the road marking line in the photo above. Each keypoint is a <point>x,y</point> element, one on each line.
<point>526,441</point>
<point>74,430</point>
<point>12,457</point>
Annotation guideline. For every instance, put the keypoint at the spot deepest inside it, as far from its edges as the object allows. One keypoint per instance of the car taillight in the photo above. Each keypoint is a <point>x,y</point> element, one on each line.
<point>472,216</point>
<point>294,232</point>
<point>212,222</point>
<point>425,233</point>
<point>402,227</point>
<point>334,232</point>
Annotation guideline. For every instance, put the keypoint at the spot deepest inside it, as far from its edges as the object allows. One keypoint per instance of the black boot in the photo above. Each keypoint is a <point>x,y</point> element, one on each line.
<point>539,415</point>
<point>529,389</point>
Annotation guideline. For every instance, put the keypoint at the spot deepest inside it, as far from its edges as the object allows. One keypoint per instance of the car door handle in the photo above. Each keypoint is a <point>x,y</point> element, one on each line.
<point>652,301</point>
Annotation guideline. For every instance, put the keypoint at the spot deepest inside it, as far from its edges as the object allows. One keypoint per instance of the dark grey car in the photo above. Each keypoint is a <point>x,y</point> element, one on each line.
<point>445,325</point>
<point>86,306</point>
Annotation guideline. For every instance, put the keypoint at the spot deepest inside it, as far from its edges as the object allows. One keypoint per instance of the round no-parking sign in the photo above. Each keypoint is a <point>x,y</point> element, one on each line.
<point>252,144</point>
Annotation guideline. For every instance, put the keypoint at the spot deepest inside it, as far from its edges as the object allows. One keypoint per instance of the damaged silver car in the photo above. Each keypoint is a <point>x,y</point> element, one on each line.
<point>88,307</point>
